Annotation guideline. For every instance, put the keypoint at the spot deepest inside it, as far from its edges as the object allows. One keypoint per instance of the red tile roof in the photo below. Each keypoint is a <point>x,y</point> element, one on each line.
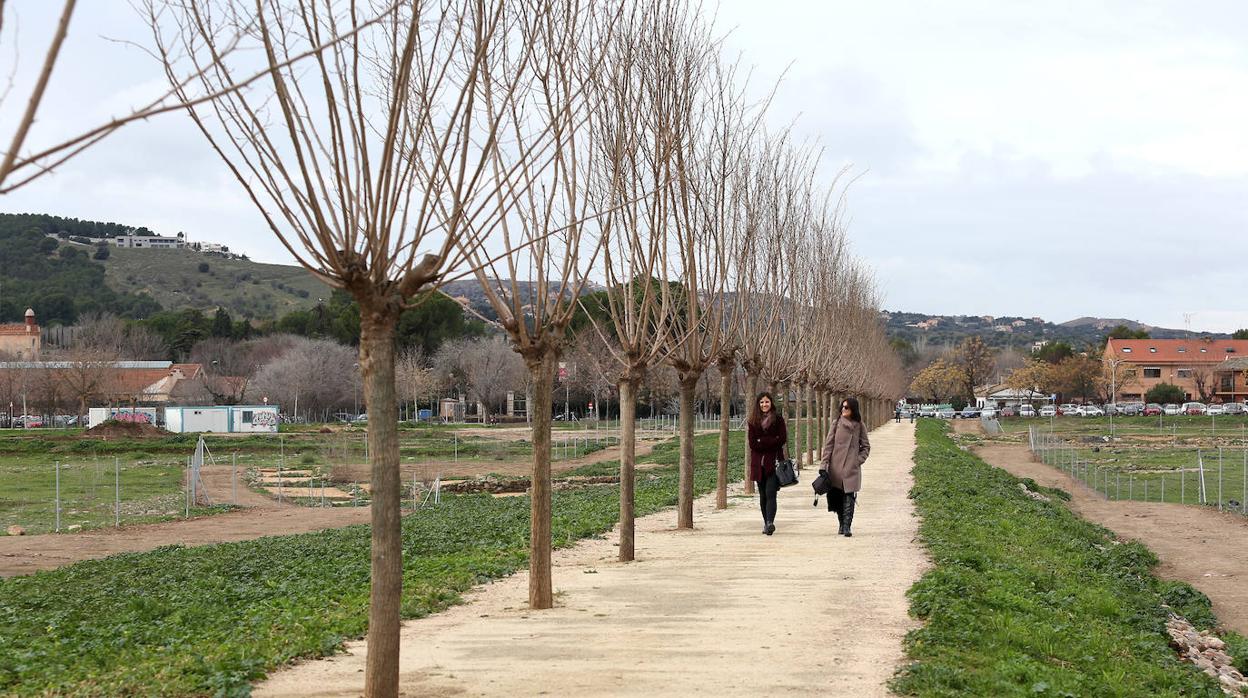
<point>1177,351</point>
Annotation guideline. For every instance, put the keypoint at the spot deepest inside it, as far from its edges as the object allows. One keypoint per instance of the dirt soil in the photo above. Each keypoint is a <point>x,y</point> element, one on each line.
<point>260,517</point>
<point>1196,545</point>
<point>124,430</point>
<point>719,610</point>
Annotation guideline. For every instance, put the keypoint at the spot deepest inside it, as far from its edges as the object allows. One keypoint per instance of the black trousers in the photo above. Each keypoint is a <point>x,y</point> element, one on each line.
<point>767,497</point>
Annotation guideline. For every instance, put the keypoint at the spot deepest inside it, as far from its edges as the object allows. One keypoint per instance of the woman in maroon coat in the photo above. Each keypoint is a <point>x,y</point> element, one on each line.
<point>767,438</point>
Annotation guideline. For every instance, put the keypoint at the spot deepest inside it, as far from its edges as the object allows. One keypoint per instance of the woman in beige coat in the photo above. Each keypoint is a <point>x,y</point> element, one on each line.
<point>844,452</point>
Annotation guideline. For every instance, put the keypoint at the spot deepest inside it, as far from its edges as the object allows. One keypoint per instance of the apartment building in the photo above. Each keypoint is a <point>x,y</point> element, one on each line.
<point>1195,365</point>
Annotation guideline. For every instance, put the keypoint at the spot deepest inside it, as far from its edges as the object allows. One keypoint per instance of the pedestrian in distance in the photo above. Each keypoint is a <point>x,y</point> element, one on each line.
<point>897,414</point>
<point>844,451</point>
<point>767,435</point>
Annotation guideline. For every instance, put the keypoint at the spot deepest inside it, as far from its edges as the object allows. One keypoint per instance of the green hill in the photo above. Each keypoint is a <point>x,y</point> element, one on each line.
<point>246,289</point>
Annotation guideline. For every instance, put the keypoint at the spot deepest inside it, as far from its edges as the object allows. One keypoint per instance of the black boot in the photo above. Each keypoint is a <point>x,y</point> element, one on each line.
<point>847,510</point>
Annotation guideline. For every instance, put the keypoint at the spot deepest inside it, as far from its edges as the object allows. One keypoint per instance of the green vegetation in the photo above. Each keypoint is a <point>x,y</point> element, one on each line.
<point>151,492</point>
<point>1163,393</point>
<point>60,282</point>
<point>209,620</point>
<point>1025,598</point>
<point>244,288</point>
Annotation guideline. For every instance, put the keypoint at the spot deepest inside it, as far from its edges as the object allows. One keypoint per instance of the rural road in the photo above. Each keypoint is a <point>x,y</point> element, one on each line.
<point>720,610</point>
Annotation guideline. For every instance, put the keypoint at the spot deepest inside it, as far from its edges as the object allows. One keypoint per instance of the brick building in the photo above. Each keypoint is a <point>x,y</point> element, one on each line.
<point>1195,365</point>
<point>20,341</point>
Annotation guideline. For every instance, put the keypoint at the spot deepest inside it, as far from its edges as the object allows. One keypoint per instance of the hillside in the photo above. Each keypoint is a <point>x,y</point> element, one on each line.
<point>244,288</point>
<point>1014,331</point>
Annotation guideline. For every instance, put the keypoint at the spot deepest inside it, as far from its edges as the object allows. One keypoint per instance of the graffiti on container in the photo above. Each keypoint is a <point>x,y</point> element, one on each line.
<point>264,419</point>
<point>136,417</point>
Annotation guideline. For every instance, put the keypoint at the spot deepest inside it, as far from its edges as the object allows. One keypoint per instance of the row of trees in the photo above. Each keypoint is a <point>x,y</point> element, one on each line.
<point>533,145</point>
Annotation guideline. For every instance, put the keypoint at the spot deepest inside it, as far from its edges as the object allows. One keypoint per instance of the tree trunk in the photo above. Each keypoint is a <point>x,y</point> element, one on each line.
<point>751,387</point>
<point>381,672</point>
<point>684,502</point>
<point>725,423</point>
<point>542,372</point>
<point>809,399</point>
<point>628,455</point>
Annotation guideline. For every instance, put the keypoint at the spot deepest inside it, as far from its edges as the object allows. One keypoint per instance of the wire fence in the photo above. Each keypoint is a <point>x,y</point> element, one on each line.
<point>1215,477</point>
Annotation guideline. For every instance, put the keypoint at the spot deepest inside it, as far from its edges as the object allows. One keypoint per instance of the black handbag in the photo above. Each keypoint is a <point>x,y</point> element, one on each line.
<point>822,485</point>
<point>786,474</point>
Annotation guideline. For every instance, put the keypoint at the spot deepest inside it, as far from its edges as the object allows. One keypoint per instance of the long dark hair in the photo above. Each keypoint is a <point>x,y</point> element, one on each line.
<point>854,414</point>
<point>756,415</point>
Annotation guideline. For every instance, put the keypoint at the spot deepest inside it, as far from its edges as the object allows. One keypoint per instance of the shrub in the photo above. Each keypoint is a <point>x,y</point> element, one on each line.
<point>203,267</point>
<point>1163,393</point>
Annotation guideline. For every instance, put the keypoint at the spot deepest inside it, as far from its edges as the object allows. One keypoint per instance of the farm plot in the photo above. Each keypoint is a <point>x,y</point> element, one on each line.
<point>210,619</point>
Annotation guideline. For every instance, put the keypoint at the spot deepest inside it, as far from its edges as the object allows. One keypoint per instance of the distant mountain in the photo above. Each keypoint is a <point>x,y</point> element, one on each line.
<point>1015,331</point>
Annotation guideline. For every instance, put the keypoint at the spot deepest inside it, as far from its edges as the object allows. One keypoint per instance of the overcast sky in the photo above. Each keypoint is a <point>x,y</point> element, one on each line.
<point>1054,159</point>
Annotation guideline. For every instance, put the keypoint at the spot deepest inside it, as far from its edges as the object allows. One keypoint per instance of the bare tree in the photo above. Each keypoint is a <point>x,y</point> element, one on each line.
<point>488,368</point>
<point>314,375</point>
<point>110,334</point>
<point>644,117</point>
<point>548,237</point>
<point>396,139</point>
<point>20,165</point>
<point>709,232</point>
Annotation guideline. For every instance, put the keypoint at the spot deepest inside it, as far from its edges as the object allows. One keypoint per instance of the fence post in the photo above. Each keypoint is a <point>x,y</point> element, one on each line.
<point>1163,488</point>
<point>1146,490</point>
<point>58,496</point>
<point>1219,478</point>
<point>1182,485</point>
<point>234,477</point>
<point>117,491</point>
<point>188,488</point>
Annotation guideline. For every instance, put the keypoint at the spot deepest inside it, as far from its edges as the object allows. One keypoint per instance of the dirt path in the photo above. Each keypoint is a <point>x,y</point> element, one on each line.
<point>261,516</point>
<point>1196,545</point>
<point>720,610</point>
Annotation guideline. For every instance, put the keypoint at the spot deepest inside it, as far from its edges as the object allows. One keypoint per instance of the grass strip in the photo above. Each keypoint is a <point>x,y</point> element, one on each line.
<point>1025,598</point>
<point>210,620</point>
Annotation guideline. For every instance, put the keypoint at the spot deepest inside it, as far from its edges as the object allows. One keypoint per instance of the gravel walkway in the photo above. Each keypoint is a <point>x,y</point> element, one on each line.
<point>720,610</point>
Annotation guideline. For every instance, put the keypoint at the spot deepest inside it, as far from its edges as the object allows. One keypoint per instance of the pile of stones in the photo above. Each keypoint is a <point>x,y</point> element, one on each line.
<point>1208,653</point>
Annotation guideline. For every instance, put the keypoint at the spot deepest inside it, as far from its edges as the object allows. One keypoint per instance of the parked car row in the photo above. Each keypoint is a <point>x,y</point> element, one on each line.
<point>1124,409</point>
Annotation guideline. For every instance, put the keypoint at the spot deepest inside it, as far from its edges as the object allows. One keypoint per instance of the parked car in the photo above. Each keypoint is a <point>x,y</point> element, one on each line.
<point>1152,409</point>
<point>946,413</point>
<point>968,412</point>
<point>927,411</point>
<point>988,413</point>
<point>1026,411</point>
<point>1215,410</point>
<point>1090,411</point>
<point>1009,411</point>
<point>1234,408</point>
<point>1194,408</point>
<point>1131,409</point>
<point>1171,409</point>
<point>1068,409</point>
<point>1048,411</point>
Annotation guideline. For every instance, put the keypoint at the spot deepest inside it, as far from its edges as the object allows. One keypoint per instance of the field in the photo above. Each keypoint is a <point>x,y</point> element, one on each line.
<point>1146,458</point>
<point>131,480</point>
<point>209,620</point>
<point>1026,598</point>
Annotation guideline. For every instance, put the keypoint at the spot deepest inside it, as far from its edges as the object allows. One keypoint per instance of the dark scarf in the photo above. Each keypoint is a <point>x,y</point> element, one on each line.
<point>769,419</point>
